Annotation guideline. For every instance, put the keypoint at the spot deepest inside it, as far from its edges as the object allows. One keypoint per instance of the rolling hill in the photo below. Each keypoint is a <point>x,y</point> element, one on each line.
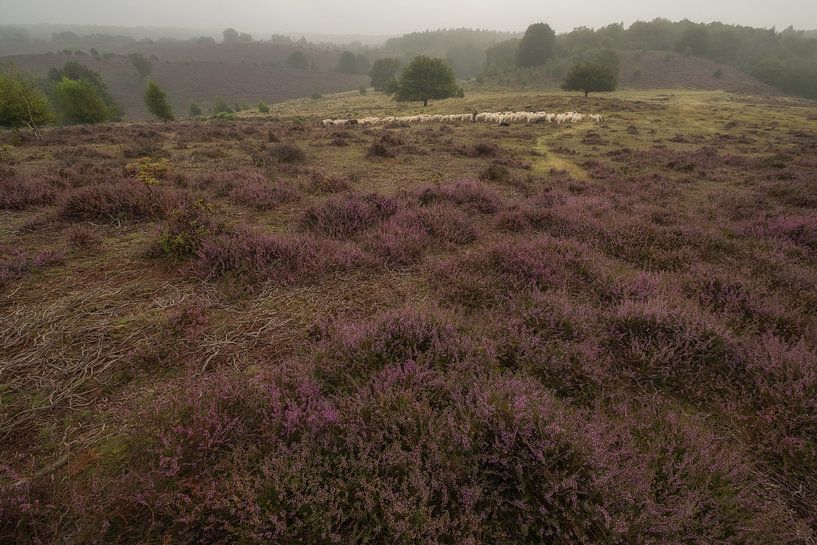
<point>200,81</point>
<point>659,70</point>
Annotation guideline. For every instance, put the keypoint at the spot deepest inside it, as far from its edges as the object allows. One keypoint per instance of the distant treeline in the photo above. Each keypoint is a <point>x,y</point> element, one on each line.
<point>784,59</point>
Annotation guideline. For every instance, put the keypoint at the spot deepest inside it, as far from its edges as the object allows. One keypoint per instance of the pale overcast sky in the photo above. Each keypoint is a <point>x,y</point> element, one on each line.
<point>378,17</point>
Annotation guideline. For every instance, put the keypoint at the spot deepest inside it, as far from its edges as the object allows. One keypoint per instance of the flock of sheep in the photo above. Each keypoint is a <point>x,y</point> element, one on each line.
<point>499,118</point>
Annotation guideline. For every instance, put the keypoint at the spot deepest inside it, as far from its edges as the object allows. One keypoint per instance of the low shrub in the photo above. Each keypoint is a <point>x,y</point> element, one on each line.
<point>125,200</point>
<point>283,152</point>
<point>346,215</point>
<point>263,195</point>
<point>279,259</point>
<point>21,193</point>
<point>469,194</point>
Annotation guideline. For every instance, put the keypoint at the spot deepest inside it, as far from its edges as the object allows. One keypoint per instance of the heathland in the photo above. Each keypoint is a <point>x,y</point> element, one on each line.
<point>261,330</point>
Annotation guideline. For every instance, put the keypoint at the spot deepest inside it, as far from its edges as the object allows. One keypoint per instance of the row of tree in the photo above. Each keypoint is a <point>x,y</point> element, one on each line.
<point>73,94</point>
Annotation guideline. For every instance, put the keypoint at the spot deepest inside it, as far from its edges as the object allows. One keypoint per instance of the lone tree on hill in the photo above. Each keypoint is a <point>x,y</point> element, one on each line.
<point>590,77</point>
<point>22,103</point>
<point>426,78</point>
<point>156,101</point>
<point>384,74</point>
<point>537,46</point>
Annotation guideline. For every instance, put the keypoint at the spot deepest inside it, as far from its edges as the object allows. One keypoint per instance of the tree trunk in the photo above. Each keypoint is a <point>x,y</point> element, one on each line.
<point>425,102</point>
<point>586,93</point>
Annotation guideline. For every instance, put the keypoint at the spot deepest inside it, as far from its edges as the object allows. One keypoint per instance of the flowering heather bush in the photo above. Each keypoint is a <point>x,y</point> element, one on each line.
<point>185,230</point>
<point>551,337</point>
<point>280,259</point>
<point>83,236</point>
<point>125,200</point>
<point>783,403</point>
<point>20,193</point>
<point>15,263</point>
<point>279,153</point>
<point>469,194</point>
<point>749,306</point>
<point>524,218</point>
<point>319,183</point>
<point>480,149</point>
<point>508,266</point>
<point>403,238</point>
<point>799,229</point>
<point>345,215</point>
<point>675,345</point>
<point>351,353</point>
<point>263,195</point>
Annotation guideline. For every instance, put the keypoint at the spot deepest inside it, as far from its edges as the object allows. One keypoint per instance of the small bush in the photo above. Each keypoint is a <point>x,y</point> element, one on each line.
<point>83,236</point>
<point>21,193</point>
<point>469,194</point>
<point>125,200</point>
<point>496,173</point>
<point>379,149</point>
<point>263,195</point>
<point>319,183</point>
<point>346,215</point>
<point>279,153</point>
<point>280,259</point>
<point>185,230</point>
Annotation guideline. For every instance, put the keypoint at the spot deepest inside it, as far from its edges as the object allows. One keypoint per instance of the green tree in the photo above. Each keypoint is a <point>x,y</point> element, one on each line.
<point>142,64</point>
<point>156,101</point>
<point>347,63</point>
<point>220,107</point>
<point>537,46</point>
<point>297,60</point>
<point>78,101</point>
<point>79,72</point>
<point>384,74</point>
<point>590,77</point>
<point>262,107</point>
<point>195,110</point>
<point>503,54</point>
<point>22,103</point>
<point>426,78</point>
<point>362,64</point>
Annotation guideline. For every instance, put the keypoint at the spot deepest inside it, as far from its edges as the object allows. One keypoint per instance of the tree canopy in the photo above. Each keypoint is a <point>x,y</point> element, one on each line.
<point>77,101</point>
<point>297,60</point>
<point>79,72</point>
<point>537,46</point>
<point>156,101</point>
<point>590,77</point>
<point>384,74</point>
<point>22,103</point>
<point>426,78</point>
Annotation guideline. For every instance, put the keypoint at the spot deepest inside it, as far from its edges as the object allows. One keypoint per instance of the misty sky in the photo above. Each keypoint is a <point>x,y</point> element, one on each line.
<point>378,17</point>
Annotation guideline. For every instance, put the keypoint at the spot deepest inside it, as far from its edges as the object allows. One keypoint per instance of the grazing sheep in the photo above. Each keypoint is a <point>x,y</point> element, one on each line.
<point>498,118</point>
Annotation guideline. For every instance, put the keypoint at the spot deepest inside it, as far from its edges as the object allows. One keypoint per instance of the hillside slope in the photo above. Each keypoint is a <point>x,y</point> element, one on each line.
<point>186,81</point>
<point>661,70</point>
